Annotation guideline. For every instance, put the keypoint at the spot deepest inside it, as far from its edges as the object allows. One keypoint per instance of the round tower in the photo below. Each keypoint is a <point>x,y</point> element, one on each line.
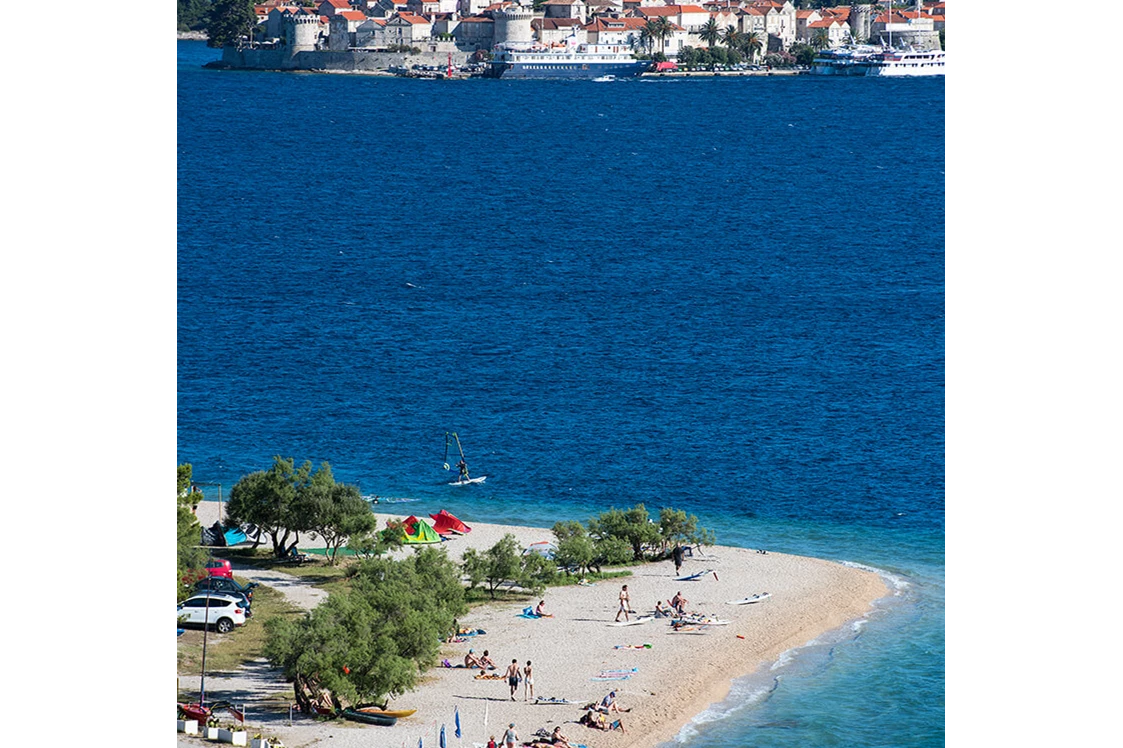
<point>860,20</point>
<point>512,27</point>
<point>301,33</point>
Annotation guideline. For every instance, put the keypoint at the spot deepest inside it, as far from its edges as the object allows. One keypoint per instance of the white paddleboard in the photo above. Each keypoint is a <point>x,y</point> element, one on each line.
<point>754,599</point>
<point>636,622</point>
<point>692,577</point>
<point>481,479</point>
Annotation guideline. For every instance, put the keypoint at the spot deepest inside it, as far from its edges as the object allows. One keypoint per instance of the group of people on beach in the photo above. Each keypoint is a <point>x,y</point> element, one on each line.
<point>677,603</point>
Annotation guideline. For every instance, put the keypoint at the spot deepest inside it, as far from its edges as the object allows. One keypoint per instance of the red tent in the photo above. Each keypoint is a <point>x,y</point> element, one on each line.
<point>446,524</point>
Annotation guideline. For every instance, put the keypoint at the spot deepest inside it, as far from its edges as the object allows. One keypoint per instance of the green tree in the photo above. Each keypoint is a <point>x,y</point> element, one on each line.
<point>820,39</point>
<point>663,29</point>
<point>647,36</point>
<point>804,53</point>
<point>191,15</point>
<point>375,639</point>
<point>752,44</point>
<point>634,526</point>
<point>731,37</point>
<point>504,563</point>
<point>710,33</point>
<point>575,547</point>
<point>228,20</point>
<point>611,551</point>
<point>189,556</point>
<point>268,499</point>
<point>334,511</point>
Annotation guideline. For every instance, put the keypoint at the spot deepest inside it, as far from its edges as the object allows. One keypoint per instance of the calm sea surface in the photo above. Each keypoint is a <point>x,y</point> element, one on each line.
<point>722,295</point>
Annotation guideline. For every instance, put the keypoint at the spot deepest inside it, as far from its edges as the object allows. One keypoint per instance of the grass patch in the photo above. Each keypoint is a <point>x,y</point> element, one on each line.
<point>227,652</point>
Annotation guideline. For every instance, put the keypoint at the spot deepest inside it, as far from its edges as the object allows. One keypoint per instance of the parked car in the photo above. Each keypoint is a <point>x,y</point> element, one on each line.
<point>220,567</point>
<point>222,611</point>
<point>226,586</point>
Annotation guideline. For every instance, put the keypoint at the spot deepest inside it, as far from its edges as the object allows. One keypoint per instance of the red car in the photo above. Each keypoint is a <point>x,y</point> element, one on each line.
<point>220,567</point>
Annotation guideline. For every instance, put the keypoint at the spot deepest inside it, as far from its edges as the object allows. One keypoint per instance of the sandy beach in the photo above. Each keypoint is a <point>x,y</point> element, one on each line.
<point>676,678</point>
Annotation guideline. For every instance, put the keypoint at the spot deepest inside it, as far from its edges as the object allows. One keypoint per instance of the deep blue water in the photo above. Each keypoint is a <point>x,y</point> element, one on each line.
<point>722,295</point>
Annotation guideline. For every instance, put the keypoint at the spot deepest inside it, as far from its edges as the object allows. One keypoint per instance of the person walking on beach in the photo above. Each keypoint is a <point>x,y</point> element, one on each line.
<point>676,556</point>
<point>511,738</point>
<point>625,604</point>
<point>529,687</point>
<point>513,678</point>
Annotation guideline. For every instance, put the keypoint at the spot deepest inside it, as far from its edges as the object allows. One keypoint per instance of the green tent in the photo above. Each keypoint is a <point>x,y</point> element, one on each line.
<point>422,533</point>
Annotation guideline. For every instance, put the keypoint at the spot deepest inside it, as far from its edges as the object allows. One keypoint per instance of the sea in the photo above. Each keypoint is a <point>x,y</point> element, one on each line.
<point>722,295</point>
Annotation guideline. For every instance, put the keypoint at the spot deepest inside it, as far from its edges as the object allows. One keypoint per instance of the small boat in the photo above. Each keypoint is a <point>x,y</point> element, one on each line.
<point>370,719</point>
<point>761,597</point>
<point>395,713</point>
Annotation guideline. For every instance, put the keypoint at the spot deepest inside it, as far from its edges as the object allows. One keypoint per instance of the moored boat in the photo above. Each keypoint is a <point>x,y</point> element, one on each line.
<point>570,59</point>
<point>395,713</point>
<point>370,719</point>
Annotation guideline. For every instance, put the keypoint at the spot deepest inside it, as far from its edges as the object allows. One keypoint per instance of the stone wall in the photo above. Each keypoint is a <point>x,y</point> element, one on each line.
<point>346,61</point>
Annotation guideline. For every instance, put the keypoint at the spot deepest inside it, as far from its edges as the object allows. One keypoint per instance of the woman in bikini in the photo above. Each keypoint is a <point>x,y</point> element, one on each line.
<point>529,675</point>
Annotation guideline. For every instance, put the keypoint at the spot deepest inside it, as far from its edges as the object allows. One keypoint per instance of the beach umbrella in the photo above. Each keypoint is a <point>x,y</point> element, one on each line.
<point>457,718</point>
<point>443,737</point>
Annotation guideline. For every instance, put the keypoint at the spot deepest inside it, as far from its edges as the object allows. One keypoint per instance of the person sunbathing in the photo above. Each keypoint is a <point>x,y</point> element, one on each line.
<point>678,602</point>
<point>600,722</point>
<point>471,661</point>
<point>538,611</point>
<point>486,662</point>
<point>660,611</point>
<point>558,739</point>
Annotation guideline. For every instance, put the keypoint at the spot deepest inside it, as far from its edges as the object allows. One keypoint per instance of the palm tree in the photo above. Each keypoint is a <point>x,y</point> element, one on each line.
<point>710,32</point>
<point>820,39</point>
<point>751,43</point>
<point>648,35</point>
<point>663,29</point>
<point>731,38</point>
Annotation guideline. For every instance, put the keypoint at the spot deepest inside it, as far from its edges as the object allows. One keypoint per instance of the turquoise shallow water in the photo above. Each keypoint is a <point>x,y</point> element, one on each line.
<point>720,295</point>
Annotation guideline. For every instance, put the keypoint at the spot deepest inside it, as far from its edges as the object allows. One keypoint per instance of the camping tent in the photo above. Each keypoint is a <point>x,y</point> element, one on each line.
<point>446,524</point>
<point>422,532</point>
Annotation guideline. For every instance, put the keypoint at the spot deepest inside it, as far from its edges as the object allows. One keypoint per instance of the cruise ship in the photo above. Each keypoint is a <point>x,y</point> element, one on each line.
<point>566,60</point>
<point>868,60</point>
<point>909,62</point>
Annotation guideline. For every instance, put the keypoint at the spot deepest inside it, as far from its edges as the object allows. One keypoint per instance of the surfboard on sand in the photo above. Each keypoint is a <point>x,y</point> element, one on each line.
<point>753,599</point>
<point>635,622</point>
<point>693,577</point>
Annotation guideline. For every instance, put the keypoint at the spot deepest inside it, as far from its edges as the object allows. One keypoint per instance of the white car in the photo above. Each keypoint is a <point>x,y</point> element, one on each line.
<point>224,612</point>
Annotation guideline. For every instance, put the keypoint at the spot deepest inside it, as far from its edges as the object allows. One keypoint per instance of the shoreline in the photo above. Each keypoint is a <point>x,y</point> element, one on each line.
<point>678,678</point>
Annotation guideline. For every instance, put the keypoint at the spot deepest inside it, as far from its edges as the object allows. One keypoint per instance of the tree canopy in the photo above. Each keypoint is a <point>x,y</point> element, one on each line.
<point>505,563</point>
<point>189,556</point>
<point>285,501</point>
<point>228,20</point>
<point>376,638</point>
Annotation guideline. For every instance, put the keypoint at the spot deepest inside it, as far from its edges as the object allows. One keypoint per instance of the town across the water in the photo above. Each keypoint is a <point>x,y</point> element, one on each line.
<point>569,38</point>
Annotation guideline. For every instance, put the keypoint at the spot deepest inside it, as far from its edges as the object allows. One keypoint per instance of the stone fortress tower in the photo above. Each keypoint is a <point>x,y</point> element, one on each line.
<point>512,27</point>
<point>301,33</point>
<point>860,19</point>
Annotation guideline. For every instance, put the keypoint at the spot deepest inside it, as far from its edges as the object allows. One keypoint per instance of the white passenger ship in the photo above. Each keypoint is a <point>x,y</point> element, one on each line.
<point>868,60</point>
<point>566,60</point>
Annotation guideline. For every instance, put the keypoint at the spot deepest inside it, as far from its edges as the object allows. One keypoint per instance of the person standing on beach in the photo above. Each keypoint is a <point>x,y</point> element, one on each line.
<point>676,555</point>
<point>625,604</point>
<point>529,687</point>
<point>511,738</point>
<point>513,678</point>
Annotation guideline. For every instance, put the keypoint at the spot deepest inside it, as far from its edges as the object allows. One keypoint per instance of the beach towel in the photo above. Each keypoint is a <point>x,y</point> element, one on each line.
<point>490,676</point>
<point>611,677</point>
<point>632,646</point>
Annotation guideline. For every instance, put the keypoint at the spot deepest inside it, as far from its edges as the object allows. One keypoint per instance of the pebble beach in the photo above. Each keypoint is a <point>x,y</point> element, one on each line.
<point>577,654</point>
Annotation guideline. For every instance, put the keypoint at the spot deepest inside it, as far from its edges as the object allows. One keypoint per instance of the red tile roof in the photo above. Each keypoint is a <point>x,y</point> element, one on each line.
<point>353,15</point>
<point>412,18</point>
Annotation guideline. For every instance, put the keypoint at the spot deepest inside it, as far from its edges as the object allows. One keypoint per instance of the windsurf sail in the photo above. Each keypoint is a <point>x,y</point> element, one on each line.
<point>460,470</point>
